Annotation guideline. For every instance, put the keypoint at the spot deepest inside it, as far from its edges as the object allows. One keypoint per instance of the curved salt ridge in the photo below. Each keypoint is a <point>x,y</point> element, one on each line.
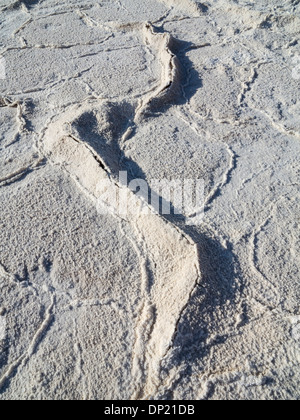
<point>174,256</point>
<point>170,86</point>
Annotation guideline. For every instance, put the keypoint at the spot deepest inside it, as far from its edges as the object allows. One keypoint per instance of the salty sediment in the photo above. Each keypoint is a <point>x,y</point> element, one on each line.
<point>110,299</point>
<point>172,274</point>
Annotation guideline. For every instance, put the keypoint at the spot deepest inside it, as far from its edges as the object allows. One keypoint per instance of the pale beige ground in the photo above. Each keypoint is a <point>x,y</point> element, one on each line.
<point>98,306</point>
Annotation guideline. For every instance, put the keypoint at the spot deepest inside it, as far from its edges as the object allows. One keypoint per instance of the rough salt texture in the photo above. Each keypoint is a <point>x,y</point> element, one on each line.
<point>98,306</point>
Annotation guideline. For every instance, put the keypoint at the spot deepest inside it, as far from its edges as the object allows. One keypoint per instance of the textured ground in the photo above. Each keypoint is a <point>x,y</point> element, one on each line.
<point>95,306</point>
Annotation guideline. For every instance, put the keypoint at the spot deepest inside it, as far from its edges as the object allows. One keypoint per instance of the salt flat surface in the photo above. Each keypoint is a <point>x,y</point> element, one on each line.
<point>99,306</point>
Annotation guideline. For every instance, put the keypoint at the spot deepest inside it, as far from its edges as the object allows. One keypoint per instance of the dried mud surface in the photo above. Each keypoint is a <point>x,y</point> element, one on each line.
<point>98,305</point>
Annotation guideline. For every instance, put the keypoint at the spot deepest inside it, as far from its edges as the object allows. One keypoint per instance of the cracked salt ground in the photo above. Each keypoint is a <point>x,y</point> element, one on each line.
<point>101,307</point>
